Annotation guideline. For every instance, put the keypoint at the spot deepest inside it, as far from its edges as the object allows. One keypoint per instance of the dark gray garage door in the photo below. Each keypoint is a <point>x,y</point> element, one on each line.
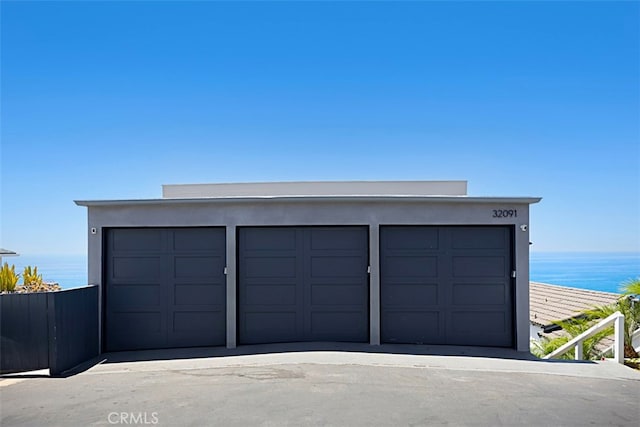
<point>446,285</point>
<point>164,287</point>
<point>303,284</point>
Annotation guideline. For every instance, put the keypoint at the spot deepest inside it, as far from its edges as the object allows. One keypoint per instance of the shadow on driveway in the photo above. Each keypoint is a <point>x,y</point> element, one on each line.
<point>258,349</point>
<point>245,350</point>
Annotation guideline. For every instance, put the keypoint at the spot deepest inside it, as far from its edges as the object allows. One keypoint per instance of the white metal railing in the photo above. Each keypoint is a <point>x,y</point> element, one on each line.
<point>635,342</point>
<point>616,318</point>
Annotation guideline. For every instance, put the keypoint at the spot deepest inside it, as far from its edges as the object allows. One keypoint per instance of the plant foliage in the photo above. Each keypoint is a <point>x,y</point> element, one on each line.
<point>8,278</point>
<point>572,328</point>
<point>30,276</point>
<point>548,345</point>
<point>629,306</point>
<point>631,287</point>
<point>32,282</point>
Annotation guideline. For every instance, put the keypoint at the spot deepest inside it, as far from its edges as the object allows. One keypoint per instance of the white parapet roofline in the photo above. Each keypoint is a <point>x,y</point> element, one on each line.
<point>315,188</point>
<point>313,199</point>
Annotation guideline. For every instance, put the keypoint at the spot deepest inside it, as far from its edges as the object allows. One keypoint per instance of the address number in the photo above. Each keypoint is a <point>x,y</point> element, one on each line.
<point>505,213</point>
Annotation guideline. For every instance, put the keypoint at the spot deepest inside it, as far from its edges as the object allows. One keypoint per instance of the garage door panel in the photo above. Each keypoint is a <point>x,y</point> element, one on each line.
<point>198,239</point>
<point>193,328</point>
<point>147,321</point>
<point>269,281</point>
<point>410,295</point>
<point>269,239</point>
<point>285,267</point>
<point>136,268</point>
<point>337,294</point>
<point>133,296</point>
<point>487,328</point>
<point>472,288</point>
<point>145,340</point>
<point>408,280</point>
<point>189,267</point>
<point>199,294</point>
<point>410,266</point>
<point>400,327</point>
<point>337,326</point>
<point>260,327</point>
<point>479,266</point>
<point>480,294</point>
<point>133,240</point>
<point>331,266</point>
<point>162,290</point>
<point>136,330</point>
<point>478,238</point>
<point>408,238</point>
<point>473,321</point>
<point>323,276</point>
<point>195,339</point>
<point>335,239</point>
<point>194,322</point>
<point>265,294</point>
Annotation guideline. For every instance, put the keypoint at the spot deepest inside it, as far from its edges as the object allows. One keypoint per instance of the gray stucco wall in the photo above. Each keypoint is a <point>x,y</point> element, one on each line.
<point>232,214</point>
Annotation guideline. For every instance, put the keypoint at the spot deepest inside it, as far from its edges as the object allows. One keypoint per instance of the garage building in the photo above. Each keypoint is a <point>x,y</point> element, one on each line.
<point>416,262</point>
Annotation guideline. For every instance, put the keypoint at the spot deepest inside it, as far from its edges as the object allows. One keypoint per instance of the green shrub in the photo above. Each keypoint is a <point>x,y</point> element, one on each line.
<point>32,282</point>
<point>548,345</point>
<point>631,287</point>
<point>8,278</point>
<point>629,306</point>
<point>572,328</point>
<point>31,278</point>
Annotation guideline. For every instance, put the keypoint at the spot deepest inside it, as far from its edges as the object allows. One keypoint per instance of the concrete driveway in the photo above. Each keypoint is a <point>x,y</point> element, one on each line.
<point>289,385</point>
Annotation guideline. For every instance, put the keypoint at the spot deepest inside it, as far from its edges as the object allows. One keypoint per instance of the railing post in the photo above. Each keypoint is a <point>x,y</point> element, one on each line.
<point>618,328</point>
<point>579,350</point>
<point>616,318</point>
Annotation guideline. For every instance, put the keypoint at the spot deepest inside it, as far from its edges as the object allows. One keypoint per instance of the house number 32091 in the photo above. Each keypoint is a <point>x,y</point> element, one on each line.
<point>505,213</point>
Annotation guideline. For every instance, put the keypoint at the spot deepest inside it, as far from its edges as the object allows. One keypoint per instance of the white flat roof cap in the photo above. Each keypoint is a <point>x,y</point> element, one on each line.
<point>315,188</point>
<point>311,199</point>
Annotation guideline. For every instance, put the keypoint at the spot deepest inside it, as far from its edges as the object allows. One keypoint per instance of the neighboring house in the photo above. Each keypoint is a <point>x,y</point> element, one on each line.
<point>6,253</point>
<point>549,303</point>
<point>378,262</point>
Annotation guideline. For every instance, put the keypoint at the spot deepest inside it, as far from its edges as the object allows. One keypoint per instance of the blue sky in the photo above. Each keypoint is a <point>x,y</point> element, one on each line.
<point>112,99</point>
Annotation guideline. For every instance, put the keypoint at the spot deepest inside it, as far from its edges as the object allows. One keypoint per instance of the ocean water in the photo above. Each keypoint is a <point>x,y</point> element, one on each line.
<point>69,271</point>
<point>586,270</point>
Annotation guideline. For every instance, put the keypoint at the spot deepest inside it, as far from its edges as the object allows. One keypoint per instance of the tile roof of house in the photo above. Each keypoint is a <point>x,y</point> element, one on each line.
<point>552,302</point>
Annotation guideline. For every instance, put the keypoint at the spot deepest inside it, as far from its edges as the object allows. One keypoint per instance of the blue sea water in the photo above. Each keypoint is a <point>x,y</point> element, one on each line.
<point>596,271</point>
<point>69,271</point>
<point>585,270</point>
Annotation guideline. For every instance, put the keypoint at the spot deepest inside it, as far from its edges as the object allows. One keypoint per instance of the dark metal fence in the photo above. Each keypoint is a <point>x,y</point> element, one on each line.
<point>24,332</point>
<point>55,330</point>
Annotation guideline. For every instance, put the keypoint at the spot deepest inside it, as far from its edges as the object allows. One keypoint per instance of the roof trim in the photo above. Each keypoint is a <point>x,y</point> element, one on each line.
<point>314,188</point>
<point>303,199</point>
<point>549,303</point>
